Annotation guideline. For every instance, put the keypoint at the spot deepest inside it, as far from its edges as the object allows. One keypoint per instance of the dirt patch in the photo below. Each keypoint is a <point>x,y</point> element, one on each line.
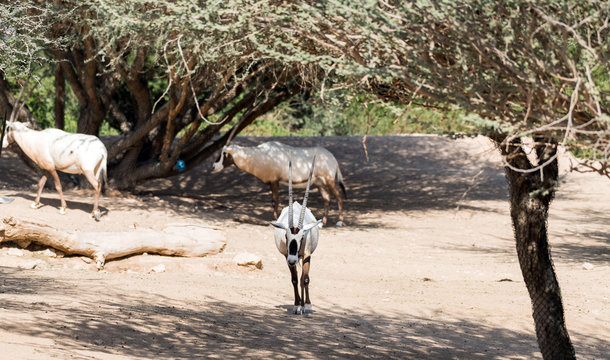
<point>424,268</point>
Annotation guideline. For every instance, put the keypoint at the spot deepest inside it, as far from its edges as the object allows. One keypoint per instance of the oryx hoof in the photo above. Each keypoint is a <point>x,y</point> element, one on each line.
<point>35,205</point>
<point>307,309</point>
<point>340,224</point>
<point>62,210</point>
<point>297,310</point>
<point>97,214</point>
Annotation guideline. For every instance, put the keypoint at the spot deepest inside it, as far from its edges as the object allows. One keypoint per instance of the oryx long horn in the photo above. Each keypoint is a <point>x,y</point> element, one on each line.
<point>290,213</point>
<point>3,131</point>
<point>302,215</point>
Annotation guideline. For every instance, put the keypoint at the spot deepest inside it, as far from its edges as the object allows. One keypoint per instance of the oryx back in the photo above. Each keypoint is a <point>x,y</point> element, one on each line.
<point>73,153</point>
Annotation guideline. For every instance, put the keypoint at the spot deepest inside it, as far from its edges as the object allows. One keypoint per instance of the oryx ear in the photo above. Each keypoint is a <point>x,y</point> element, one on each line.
<point>278,225</point>
<point>312,225</point>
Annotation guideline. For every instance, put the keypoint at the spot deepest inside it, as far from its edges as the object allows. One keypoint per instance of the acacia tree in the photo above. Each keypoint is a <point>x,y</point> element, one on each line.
<point>22,42</point>
<point>537,70</point>
<point>528,70</point>
<point>23,39</point>
<point>169,75</point>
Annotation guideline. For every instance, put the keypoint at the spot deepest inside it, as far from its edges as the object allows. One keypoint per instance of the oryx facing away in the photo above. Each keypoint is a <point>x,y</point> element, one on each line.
<point>54,149</point>
<point>298,242</point>
<point>267,162</point>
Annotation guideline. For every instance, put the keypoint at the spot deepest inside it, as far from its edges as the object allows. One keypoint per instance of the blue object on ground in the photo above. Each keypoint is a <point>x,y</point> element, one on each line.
<point>180,166</point>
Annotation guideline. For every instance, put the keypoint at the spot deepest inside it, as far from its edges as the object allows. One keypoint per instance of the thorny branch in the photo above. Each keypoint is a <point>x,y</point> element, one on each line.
<point>525,68</point>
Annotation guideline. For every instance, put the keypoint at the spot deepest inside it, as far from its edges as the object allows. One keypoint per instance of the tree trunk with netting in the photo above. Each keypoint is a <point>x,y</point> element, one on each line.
<point>531,192</point>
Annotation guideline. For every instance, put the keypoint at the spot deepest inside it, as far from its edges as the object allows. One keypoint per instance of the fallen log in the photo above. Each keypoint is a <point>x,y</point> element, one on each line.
<point>176,240</point>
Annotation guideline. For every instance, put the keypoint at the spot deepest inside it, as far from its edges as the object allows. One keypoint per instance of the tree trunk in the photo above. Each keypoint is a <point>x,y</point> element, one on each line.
<point>177,240</point>
<point>530,196</point>
<point>90,121</point>
<point>60,98</point>
<point>127,177</point>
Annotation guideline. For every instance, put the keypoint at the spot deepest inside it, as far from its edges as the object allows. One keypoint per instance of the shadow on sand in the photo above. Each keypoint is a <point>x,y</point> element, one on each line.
<point>113,322</point>
<point>400,174</point>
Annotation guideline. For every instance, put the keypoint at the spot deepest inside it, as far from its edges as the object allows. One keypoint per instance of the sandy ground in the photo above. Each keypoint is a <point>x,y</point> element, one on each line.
<point>425,267</point>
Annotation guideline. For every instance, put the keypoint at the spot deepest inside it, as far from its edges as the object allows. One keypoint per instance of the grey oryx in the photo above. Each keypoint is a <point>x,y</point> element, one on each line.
<point>267,162</point>
<point>54,149</point>
<point>297,243</point>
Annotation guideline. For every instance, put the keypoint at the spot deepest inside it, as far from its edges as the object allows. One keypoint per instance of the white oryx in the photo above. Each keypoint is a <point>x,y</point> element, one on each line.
<point>267,162</point>
<point>54,149</point>
<point>297,243</point>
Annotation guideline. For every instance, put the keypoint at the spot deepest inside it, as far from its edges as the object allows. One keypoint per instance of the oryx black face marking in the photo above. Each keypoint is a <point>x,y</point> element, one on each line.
<point>293,248</point>
<point>227,160</point>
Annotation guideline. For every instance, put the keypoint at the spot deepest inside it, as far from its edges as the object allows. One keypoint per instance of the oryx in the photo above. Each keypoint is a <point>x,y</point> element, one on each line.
<point>297,242</point>
<point>268,160</point>
<point>54,149</point>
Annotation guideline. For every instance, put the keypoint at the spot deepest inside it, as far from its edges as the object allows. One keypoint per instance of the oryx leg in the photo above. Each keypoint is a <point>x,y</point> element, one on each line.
<point>305,302</point>
<point>326,197</point>
<point>97,186</point>
<point>275,198</point>
<point>297,309</point>
<point>63,206</point>
<point>332,185</point>
<point>43,180</point>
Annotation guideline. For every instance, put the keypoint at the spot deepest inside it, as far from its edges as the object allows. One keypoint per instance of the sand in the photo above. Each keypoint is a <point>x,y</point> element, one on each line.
<point>425,267</point>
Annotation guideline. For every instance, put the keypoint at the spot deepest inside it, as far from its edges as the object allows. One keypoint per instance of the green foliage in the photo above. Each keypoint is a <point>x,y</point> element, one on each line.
<point>520,66</point>
<point>169,30</point>
<point>523,67</point>
<point>359,116</point>
<point>269,126</point>
<point>42,101</point>
<point>24,26</point>
<point>105,130</point>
